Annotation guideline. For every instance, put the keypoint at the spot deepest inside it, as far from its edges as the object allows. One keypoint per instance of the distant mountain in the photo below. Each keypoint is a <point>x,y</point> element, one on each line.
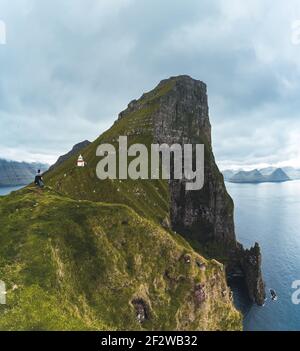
<point>270,174</point>
<point>247,177</point>
<point>293,173</point>
<point>228,174</point>
<point>278,176</point>
<point>13,173</point>
<point>75,150</point>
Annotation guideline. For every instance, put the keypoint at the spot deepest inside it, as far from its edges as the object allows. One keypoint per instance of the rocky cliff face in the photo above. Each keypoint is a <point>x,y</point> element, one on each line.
<point>250,261</point>
<point>183,118</point>
<point>204,217</point>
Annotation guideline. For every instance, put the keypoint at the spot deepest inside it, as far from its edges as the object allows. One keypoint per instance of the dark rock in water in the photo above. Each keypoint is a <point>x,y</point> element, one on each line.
<point>273,294</point>
<point>251,266</point>
<point>75,150</point>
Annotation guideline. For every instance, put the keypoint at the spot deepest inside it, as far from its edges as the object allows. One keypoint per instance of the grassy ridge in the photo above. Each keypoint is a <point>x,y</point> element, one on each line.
<point>149,198</point>
<point>79,265</point>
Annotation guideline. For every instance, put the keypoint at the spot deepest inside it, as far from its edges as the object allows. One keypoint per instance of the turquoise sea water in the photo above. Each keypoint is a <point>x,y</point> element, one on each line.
<point>269,213</point>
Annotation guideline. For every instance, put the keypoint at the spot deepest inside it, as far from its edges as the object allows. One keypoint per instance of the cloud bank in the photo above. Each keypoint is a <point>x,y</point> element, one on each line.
<point>69,67</point>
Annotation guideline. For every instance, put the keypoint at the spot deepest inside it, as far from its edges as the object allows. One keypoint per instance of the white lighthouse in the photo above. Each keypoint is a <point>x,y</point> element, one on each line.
<point>80,161</point>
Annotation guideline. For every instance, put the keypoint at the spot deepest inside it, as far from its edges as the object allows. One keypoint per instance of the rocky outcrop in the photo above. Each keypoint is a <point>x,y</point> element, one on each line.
<point>75,150</point>
<point>183,117</point>
<point>251,265</point>
<point>204,217</point>
<point>13,173</point>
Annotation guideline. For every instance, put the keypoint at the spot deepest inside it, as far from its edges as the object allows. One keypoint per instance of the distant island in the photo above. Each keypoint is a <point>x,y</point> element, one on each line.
<point>13,173</point>
<point>264,175</point>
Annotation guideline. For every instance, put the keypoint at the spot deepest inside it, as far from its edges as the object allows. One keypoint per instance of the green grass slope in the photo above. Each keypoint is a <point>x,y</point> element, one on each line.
<point>81,265</point>
<point>149,198</point>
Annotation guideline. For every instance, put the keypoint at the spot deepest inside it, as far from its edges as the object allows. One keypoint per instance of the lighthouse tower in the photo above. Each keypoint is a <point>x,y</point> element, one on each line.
<point>80,161</point>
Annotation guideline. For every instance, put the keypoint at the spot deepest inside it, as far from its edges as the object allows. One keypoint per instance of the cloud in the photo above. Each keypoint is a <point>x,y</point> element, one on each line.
<point>69,67</point>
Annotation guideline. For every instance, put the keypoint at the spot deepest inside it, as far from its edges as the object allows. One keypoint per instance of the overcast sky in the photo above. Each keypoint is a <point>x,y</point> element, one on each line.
<point>69,67</point>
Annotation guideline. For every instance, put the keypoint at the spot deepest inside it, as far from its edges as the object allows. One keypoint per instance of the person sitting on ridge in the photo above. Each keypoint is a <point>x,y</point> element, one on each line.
<point>39,179</point>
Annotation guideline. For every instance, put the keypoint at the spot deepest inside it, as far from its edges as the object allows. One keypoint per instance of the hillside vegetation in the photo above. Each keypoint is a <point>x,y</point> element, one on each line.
<point>80,265</point>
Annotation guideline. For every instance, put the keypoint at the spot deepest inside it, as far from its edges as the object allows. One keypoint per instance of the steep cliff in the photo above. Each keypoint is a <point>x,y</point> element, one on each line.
<point>204,217</point>
<point>250,261</point>
<point>175,111</point>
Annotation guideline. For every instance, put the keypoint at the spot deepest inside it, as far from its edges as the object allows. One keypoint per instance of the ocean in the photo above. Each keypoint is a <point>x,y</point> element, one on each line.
<point>8,190</point>
<point>269,213</point>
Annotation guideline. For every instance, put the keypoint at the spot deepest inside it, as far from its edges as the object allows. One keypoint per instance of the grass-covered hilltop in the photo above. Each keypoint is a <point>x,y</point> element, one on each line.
<point>71,264</point>
<point>86,254</point>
